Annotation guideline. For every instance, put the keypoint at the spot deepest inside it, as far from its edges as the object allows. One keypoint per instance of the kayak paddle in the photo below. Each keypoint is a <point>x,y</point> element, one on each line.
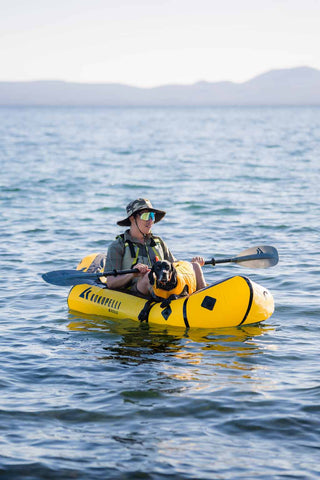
<point>256,257</point>
<point>67,278</point>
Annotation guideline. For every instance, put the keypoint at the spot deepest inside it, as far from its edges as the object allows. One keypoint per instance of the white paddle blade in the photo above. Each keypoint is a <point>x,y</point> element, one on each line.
<point>263,256</point>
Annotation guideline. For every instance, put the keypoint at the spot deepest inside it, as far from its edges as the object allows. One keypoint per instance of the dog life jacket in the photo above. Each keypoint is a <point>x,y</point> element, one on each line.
<point>138,253</point>
<point>186,280</point>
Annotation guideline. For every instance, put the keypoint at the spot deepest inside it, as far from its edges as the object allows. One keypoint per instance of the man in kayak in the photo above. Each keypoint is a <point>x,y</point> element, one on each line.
<point>138,248</point>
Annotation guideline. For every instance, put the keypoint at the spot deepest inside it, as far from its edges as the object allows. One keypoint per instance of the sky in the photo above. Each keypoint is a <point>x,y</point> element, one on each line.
<point>147,43</point>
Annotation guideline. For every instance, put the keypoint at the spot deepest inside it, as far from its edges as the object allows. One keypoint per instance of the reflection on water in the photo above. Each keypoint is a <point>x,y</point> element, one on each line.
<point>133,343</point>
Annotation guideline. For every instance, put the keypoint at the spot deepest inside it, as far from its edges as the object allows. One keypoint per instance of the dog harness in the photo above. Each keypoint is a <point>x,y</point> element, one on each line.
<point>186,281</point>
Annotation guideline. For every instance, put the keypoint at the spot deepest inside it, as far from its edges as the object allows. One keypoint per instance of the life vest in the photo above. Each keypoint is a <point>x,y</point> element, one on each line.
<point>186,281</point>
<point>137,253</point>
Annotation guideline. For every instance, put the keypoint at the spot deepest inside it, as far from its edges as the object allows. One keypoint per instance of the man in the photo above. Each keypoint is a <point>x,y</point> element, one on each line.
<point>138,248</point>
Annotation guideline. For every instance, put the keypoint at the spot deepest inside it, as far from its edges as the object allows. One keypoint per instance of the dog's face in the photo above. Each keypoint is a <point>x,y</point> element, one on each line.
<point>162,272</point>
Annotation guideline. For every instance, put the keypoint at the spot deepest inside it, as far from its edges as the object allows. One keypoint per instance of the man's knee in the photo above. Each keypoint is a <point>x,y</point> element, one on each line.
<point>199,275</point>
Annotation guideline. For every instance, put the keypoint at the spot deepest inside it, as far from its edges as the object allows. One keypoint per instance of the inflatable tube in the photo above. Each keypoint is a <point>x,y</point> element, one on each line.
<point>232,302</point>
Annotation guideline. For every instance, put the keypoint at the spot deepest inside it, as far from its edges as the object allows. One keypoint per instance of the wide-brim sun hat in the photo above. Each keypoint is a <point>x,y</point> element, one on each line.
<point>138,205</point>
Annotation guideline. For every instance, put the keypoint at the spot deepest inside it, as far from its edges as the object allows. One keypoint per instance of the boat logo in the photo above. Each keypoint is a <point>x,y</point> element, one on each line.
<point>112,304</point>
<point>259,251</point>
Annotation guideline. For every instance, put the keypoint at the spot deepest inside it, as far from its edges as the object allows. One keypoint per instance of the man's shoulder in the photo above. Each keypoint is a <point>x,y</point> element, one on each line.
<point>117,243</point>
<point>158,239</point>
<point>121,238</point>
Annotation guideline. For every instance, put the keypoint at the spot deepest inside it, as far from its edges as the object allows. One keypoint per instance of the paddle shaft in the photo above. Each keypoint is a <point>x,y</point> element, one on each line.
<point>114,273</point>
<point>256,257</point>
<point>246,258</point>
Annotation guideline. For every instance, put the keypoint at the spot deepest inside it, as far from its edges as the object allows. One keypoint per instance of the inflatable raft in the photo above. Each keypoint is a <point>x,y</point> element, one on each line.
<point>229,303</point>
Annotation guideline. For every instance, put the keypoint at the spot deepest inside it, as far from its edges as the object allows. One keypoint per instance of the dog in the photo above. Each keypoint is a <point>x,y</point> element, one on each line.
<point>163,276</point>
<point>169,281</point>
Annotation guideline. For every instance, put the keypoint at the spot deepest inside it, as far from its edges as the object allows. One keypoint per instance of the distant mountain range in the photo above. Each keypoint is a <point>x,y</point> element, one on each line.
<point>294,86</point>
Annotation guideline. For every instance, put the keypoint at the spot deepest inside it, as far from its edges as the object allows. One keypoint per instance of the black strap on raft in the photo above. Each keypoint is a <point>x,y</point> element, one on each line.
<point>166,302</point>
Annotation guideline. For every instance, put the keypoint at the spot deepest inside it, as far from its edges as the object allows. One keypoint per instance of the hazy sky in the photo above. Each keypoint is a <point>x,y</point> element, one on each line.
<point>154,42</point>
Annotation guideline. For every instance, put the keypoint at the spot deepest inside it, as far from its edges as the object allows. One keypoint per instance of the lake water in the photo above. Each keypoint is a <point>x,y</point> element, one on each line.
<point>92,398</point>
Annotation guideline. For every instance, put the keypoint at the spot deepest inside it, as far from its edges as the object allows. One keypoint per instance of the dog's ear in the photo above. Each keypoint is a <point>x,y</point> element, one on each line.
<point>151,276</point>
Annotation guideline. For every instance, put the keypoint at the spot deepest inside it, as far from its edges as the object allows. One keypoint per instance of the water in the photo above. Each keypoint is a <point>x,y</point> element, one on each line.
<point>92,398</point>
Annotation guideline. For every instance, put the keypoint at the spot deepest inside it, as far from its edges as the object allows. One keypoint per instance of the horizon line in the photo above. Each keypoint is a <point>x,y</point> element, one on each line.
<point>48,80</point>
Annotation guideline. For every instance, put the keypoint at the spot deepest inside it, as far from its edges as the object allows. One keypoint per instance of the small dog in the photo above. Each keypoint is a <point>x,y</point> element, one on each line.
<point>164,275</point>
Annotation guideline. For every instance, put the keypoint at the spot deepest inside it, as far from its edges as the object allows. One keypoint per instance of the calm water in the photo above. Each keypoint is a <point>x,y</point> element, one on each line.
<point>87,398</point>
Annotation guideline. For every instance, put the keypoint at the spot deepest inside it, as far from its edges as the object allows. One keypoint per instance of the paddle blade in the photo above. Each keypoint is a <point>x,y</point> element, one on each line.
<point>263,256</point>
<point>67,278</point>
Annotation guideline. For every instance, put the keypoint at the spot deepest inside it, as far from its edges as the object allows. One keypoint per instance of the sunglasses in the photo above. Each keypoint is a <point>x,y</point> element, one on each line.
<point>147,216</point>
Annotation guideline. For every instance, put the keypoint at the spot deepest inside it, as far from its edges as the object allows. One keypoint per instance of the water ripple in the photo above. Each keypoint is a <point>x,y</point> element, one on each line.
<point>87,397</point>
